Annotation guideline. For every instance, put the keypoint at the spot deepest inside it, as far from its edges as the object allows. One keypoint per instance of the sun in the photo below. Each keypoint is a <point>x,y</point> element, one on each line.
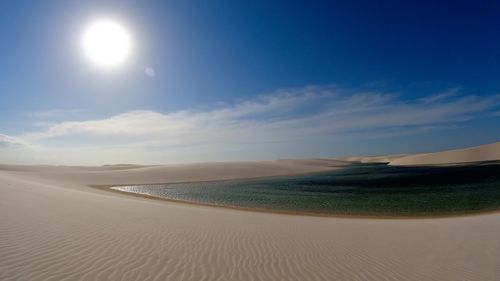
<point>106,43</point>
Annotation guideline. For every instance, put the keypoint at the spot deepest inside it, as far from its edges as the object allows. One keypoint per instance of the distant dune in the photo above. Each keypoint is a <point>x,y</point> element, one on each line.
<point>136,174</point>
<point>373,159</point>
<point>489,152</point>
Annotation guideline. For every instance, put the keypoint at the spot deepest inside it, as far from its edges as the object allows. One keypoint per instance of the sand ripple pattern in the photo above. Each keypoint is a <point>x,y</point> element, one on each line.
<point>53,233</point>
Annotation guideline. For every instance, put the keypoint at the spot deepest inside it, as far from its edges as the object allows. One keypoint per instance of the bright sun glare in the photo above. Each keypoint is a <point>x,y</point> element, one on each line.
<point>106,43</point>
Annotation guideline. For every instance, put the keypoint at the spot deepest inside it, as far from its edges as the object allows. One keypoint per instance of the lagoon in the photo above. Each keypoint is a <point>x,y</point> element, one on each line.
<point>357,190</point>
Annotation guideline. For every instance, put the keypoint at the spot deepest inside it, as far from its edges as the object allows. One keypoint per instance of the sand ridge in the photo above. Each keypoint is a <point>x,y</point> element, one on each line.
<point>373,159</point>
<point>488,152</point>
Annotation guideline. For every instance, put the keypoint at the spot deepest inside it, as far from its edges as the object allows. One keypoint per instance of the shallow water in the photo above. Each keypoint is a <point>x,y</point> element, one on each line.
<point>361,189</point>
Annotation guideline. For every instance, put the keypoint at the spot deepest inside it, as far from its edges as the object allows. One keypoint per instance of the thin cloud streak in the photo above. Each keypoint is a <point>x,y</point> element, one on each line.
<point>55,112</point>
<point>441,96</point>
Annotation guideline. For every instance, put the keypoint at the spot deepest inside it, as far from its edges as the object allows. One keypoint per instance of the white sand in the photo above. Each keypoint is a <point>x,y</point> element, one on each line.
<point>53,227</point>
<point>489,152</point>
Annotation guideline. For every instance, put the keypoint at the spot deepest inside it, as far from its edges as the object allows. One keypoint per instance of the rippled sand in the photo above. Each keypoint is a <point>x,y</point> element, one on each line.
<point>53,227</point>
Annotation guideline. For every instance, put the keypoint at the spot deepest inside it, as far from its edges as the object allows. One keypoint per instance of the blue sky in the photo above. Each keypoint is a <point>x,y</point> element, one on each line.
<point>249,81</point>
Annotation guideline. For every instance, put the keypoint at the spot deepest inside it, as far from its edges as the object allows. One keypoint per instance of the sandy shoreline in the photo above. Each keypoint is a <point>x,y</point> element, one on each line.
<point>54,227</point>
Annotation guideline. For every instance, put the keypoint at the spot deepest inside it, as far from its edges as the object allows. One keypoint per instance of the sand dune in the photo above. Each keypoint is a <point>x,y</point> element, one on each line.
<point>489,152</point>
<point>135,174</point>
<point>53,227</point>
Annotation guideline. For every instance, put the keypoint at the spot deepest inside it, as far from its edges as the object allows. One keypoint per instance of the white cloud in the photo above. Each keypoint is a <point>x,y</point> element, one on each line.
<point>8,141</point>
<point>248,129</point>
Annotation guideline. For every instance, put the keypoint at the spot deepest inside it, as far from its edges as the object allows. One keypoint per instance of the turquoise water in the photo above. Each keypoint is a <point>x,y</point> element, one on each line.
<point>364,189</point>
